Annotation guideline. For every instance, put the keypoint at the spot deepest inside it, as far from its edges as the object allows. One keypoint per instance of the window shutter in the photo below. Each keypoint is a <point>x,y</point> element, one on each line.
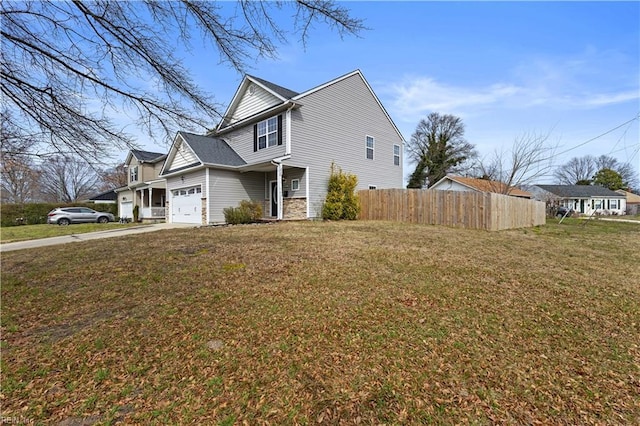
<point>255,137</point>
<point>280,130</point>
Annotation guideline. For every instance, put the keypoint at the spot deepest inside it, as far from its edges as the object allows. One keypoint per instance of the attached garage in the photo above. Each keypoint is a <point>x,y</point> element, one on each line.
<point>186,205</point>
<point>126,209</point>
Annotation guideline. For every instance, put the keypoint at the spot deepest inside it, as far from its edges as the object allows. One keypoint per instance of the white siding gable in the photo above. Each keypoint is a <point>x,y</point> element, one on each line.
<point>182,155</point>
<point>254,100</point>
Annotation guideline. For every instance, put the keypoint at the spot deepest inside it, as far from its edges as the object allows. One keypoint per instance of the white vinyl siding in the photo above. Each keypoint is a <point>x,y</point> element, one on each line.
<point>253,103</point>
<point>183,157</point>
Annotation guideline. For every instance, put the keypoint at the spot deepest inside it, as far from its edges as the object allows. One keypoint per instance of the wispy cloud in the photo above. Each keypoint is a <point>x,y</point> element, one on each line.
<point>572,83</point>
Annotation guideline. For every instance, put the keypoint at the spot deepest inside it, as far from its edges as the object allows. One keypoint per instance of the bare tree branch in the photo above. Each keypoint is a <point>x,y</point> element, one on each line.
<point>529,159</point>
<point>68,67</point>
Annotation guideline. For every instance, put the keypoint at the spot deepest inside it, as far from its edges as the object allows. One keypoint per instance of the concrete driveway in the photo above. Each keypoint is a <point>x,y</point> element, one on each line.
<point>91,236</point>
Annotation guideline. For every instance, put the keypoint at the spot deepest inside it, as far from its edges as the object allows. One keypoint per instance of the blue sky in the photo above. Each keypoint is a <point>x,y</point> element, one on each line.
<point>569,69</point>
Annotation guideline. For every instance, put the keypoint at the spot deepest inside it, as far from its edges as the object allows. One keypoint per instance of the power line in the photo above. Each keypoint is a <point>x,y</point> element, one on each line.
<point>599,136</point>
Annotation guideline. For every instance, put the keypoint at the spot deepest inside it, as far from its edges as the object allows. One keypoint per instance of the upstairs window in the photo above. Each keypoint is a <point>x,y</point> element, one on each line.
<point>370,143</point>
<point>396,155</point>
<point>133,174</point>
<point>267,133</point>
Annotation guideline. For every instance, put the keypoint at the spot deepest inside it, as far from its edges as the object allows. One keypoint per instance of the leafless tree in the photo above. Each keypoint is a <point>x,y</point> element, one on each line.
<point>577,171</point>
<point>114,177</point>
<point>18,174</point>
<point>529,159</point>
<point>67,179</point>
<point>438,147</point>
<point>581,170</point>
<point>68,66</point>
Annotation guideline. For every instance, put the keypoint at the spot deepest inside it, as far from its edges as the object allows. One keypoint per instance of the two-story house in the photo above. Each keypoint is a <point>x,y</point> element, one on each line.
<point>145,188</point>
<point>276,146</point>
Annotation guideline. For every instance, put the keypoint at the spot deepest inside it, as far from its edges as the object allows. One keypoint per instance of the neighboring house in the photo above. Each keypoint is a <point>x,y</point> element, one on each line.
<point>633,201</point>
<point>458,183</point>
<point>144,186</point>
<point>108,197</point>
<point>276,146</point>
<point>584,199</point>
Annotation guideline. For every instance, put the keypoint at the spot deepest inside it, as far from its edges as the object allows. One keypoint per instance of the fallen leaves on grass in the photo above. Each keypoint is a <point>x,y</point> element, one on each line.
<point>328,323</point>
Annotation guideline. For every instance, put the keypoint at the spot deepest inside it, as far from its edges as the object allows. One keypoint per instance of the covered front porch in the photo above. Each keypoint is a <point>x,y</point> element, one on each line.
<point>151,200</point>
<point>286,190</point>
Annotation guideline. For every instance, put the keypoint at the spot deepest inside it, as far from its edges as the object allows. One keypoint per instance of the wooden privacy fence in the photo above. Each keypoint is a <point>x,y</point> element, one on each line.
<point>472,210</point>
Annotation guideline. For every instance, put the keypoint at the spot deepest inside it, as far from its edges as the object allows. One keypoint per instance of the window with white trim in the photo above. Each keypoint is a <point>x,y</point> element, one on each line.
<point>614,205</point>
<point>267,133</point>
<point>396,155</point>
<point>370,143</point>
<point>133,174</point>
<point>295,184</point>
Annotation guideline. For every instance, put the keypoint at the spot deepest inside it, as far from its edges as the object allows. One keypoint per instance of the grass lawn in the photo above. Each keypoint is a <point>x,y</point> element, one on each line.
<point>10,234</point>
<point>329,323</point>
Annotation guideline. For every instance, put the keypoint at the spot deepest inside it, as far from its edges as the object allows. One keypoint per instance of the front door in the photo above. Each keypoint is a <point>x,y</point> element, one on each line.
<point>274,198</point>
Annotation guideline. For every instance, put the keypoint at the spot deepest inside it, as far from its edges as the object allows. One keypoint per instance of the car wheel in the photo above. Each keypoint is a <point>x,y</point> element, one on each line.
<point>63,222</point>
<point>103,219</point>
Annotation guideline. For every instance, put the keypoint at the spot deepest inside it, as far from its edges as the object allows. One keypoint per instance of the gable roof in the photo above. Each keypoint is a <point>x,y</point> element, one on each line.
<point>580,191</point>
<point>212,150</point>
<point>105,196</point>
<point>281,91</point>
<point>485,185</point>
<point>147,156</point>
<point>288,99</point>
<point>207,150</point>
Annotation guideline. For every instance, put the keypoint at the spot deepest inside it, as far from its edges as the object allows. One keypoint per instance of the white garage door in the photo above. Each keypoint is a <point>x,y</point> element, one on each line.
<point>186,205</point>
<point>126,209</point>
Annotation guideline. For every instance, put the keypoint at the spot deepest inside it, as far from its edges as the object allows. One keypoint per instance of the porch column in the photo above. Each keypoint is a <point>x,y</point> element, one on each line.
<point>150,201</point>
<point>279,186</point>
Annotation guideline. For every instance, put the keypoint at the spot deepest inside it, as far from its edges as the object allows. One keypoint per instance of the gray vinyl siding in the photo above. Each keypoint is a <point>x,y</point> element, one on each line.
<point>241,140</point>
<point>227,188</point>
<point>190,179</point>
<point>331,126</point>
<point>289,174</point>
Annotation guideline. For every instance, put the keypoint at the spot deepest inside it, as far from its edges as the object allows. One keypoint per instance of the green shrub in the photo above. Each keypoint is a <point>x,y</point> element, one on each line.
<point>36,213</point>
<point>246,212</point>
<point>136,212</point>
<point>341,201</point>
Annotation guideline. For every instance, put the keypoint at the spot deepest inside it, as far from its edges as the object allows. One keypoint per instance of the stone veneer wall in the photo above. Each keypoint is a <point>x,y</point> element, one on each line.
<point>295,208</point>
<point>203,212</point>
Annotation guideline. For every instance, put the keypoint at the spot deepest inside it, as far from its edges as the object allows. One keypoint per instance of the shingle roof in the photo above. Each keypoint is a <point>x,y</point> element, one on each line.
<point>580,191</point>
<point>148,156</point>
<point>282,91</point>
<point>105,196</point>
<point>484,185</point>
<point>212,150</point>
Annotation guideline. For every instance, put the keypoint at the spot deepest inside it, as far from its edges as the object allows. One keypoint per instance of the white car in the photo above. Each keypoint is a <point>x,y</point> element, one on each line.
<point>68,215</point>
